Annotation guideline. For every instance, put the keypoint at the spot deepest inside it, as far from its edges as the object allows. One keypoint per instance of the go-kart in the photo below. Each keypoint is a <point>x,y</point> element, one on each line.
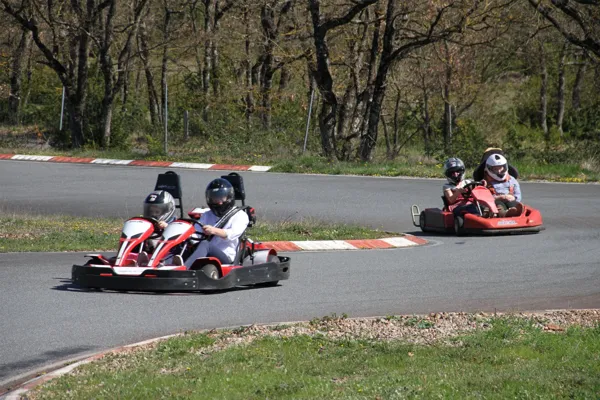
<point>254,264</point>
<point>443,220</point>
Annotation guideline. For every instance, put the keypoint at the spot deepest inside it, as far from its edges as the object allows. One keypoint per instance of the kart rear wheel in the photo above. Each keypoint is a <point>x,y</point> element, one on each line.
<point>211,271</point>
<point>422,221</point>
<point>272,259</point>
<point>459,228</point>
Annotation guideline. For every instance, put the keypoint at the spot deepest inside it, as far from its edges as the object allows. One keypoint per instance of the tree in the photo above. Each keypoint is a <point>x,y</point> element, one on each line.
<point>577,20</point>
<point>328,115</point>
<point>406,30</point>
<point>66,47</point>
<point>16,73</point>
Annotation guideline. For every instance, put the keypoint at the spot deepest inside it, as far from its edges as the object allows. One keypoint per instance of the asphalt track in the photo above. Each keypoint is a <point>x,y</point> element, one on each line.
<point>44,319</point>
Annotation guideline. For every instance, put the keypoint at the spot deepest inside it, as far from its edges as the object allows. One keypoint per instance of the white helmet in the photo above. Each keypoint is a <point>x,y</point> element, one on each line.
<point>497,167</point>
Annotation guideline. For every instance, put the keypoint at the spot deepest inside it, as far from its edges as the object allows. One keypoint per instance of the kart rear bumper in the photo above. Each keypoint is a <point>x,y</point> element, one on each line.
<point>156,280</point>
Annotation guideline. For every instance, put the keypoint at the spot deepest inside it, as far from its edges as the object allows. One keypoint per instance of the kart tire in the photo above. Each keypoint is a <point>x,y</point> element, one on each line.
<point>211,271</point>
<point>459,228</point>
<point>272,259</point>
<point>422,221</point>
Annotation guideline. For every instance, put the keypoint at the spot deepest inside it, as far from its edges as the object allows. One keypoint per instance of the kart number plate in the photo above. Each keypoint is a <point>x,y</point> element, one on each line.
<point>507,222</point>
<point>128,270</point>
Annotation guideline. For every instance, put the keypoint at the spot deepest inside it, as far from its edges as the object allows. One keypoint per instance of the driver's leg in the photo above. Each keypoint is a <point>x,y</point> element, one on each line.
<point>201,251</point>
<point>218,253</point>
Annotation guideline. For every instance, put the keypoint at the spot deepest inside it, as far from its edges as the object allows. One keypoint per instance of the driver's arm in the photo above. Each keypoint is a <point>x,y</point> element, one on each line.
<point>453,194</point>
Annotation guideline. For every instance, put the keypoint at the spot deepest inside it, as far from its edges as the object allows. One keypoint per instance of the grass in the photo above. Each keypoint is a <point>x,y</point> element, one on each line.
<point>505,358</point>
<point>290,158</point>
<point>20,233</point>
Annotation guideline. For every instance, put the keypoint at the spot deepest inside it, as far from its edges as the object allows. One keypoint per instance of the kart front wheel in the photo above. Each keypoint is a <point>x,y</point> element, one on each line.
<point>459,227</point>
<point>211,271</point>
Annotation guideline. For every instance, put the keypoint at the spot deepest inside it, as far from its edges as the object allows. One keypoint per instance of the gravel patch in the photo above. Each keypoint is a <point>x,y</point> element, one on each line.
<point>416,329</point>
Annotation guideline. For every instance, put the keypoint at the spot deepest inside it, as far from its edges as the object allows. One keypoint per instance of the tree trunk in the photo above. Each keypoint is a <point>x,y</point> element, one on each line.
<point>249,99</point>
<point>327,126</point>
<point>560,97</point>
<point>284,78</point>
<point>576,96</point>
<point>208,53</point>
<point>426,126</point>
<point>153,103</point>
<point>165,60</point>
<point>16,73</point>
<point>75,111</point>
<point>544,94</point>
<point>447,120</point>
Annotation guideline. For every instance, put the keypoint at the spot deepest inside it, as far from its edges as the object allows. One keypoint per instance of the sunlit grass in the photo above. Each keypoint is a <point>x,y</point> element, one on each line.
<point>511,358</point>
<point>66,233</point>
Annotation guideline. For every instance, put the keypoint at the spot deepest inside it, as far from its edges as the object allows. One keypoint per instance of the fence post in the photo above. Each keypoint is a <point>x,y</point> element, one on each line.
<point>185,124</point>
<point>62,109</point>
<point>312,93</point>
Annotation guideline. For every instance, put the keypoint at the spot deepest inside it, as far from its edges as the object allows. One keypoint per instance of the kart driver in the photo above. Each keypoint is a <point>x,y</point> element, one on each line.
<point>222,242</point>
<point>454,169</point>
<point>504,187</point>
<point>159,205</point>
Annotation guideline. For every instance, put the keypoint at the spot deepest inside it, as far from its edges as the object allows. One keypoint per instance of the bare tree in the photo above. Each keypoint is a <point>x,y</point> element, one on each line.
<point>16,74</point>
<point>328,114</point>
<point>404,33</point>
<point>114,74</point>
<point>66,47</point>
<point>577,20</point>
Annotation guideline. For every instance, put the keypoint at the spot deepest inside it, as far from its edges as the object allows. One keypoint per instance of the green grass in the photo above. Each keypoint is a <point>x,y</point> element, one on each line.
<point>66,233</point>
<point>289,158</point>
<point>510,359</point>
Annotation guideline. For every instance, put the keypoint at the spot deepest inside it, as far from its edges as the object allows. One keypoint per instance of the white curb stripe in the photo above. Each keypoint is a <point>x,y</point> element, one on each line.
<point>191,165</point>
<point>324,245</point>
<point>109,161</point>
<point>31,158</point>
<point>259,168</point>
<point>399,242</point>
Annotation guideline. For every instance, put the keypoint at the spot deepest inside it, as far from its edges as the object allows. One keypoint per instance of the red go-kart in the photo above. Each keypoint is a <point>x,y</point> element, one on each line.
<point>444,221</point>
<point>254,264</point>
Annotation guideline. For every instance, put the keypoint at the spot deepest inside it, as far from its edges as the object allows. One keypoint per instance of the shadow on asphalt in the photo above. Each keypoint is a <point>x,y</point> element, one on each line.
<point>66,285</point>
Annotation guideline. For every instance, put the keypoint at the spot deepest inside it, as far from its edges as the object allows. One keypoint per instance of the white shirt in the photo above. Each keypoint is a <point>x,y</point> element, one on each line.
<point>234,228</point>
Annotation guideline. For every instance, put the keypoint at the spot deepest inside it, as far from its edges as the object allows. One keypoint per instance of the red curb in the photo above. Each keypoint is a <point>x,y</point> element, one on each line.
<point>6,156</point>
<point>231,167</point>
<point>369,244</point>
<point>72,159</point>
<point>416,239</point>
<point>144,163</point>
<point>282,246</point>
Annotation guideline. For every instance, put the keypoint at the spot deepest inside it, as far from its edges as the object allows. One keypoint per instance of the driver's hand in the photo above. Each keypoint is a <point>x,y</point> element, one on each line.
<point>208,230</point>
<point>162,224</point>
<point>509,197</point>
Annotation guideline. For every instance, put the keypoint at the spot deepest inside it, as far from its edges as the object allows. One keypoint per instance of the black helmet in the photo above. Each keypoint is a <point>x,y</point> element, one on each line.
<point>220,196</point>
<point>160,205</point>
<point>454,169</point>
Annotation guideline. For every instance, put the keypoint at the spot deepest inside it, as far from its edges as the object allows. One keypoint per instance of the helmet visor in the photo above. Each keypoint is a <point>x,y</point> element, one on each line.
<point>499,170</point>
<point>218,196</point>
<point>156,211</point>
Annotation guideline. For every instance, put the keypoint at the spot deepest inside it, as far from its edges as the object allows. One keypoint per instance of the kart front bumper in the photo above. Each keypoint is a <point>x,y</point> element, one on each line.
<point>156,280</point>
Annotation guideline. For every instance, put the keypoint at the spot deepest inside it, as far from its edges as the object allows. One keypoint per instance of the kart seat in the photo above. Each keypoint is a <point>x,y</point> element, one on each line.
<point>170,182</point>
<point>237,182</point>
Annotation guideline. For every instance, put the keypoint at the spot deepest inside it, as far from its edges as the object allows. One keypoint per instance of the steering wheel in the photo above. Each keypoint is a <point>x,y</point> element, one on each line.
<point>470,186</point>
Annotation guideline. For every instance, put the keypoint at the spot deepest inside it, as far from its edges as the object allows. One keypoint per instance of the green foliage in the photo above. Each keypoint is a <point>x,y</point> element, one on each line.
<point>469,142</point>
